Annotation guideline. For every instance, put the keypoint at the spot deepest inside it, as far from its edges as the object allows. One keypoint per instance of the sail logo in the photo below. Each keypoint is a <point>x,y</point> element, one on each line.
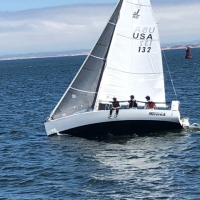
<point>157,114</point>
<point>136,14</point>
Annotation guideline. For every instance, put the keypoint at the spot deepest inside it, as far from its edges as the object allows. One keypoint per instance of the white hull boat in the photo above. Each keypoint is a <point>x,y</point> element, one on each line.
<point>125,60</point>
<point>128,122</point>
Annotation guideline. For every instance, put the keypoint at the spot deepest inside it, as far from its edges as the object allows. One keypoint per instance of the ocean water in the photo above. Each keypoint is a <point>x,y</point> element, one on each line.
<point>34,166</point>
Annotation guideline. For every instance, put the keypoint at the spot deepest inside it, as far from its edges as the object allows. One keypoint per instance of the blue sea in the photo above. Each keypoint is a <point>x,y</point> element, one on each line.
<point>34,166</point>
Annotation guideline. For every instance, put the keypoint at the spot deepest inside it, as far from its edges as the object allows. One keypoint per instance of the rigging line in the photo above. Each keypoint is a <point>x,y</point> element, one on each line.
<point>170,75</point>
<point>155,102</point>
<point>138,101</point>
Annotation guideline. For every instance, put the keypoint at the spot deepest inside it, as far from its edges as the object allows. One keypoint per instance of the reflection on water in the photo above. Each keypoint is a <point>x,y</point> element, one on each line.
<point>146,164</point>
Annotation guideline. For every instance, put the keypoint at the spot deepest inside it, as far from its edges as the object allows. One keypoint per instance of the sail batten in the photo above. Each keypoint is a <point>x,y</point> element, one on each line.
<point>135,39</point>
<point>97,57</point>
<point>112,23</point>
<point>138,4</point>
<point>82,90</point>
<point>132,73</point>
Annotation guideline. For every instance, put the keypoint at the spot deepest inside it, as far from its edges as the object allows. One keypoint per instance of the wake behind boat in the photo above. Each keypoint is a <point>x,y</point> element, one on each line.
<point>125,60</point>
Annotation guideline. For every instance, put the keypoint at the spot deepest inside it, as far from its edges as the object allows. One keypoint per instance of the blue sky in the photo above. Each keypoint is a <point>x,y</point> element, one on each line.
<point>17,5</point>
<point>32,26</point>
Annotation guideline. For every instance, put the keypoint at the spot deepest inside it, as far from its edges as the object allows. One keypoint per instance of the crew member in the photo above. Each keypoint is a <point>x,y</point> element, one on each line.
<point>132,103</point>
<point>150,104</point>
<point>115,106</point>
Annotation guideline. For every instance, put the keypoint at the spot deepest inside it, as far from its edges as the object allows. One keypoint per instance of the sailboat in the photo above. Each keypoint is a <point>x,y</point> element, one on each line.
<point>125,60</point>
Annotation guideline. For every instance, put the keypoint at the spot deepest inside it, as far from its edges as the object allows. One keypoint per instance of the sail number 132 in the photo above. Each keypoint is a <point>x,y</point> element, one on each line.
<point>144,49</point>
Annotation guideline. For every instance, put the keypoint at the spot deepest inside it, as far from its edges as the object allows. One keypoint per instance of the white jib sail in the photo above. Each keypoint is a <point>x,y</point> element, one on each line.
<point>134,63</point>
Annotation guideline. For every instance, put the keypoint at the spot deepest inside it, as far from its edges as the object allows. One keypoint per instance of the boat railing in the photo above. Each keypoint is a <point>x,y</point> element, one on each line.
<point>159,105</point>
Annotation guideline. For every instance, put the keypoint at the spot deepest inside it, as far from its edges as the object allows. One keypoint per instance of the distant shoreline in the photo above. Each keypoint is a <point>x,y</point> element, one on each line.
<point>35,57</point>
<point>86,53</point>
<point>192,46</point>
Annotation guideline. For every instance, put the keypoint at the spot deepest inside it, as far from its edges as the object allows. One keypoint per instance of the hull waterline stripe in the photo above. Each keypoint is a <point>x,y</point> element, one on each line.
<point>83,91</point>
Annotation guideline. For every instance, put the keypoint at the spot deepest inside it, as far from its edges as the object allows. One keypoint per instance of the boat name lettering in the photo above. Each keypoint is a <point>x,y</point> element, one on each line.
<point>157,114</point>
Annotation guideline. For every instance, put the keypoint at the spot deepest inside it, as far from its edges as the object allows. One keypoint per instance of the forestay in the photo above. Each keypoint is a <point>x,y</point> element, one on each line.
<point>81,94</point>
<point>134,63</point>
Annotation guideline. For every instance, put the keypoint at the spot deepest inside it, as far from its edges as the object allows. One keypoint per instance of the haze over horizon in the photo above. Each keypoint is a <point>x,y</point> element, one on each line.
<point>50,26</point>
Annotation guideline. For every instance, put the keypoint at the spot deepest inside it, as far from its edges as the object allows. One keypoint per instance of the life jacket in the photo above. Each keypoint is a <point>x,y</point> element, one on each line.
<point>133,104</point>
<point>151,104</point>
<point>115,104</point>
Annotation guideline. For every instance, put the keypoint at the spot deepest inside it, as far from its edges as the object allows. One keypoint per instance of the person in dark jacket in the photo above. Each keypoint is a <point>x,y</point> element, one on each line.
<point>132,103</point>
<point>115,106</point>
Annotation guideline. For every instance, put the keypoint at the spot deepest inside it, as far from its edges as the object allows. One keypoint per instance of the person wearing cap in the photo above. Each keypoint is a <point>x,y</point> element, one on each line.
<point>132,103</point>
<point>150,104</point>
<point>115,106</point>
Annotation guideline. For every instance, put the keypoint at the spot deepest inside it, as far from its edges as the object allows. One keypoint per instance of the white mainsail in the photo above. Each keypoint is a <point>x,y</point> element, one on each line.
<point>134,62</point>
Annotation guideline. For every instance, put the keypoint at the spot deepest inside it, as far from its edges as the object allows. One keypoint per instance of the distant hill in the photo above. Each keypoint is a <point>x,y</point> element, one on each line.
<point>192,42</point>
<point>45,54</point>
<point>181,46</point>
<point>169,46</point>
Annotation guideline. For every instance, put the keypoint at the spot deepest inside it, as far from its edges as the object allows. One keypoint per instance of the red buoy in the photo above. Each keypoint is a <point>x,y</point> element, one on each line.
<point>188,55</point>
